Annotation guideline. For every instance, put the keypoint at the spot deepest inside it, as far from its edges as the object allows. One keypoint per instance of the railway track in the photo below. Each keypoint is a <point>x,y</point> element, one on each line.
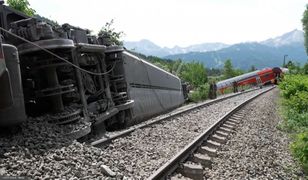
<point>138,154</point>
<point>109,137</point>
<point>40,150</point>
<point>191,160</point>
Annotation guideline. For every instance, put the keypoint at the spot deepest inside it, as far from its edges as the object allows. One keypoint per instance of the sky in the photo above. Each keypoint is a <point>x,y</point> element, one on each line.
<point>180,22</point>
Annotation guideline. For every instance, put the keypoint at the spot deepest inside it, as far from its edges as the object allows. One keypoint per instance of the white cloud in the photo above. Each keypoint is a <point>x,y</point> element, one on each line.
<point>181,22</point>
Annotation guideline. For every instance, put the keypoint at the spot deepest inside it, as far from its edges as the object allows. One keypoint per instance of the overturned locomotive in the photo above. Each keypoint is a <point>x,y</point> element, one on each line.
<point>67,75</point>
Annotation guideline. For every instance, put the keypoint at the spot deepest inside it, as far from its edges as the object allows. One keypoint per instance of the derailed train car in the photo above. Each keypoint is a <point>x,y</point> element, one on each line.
<point>67,75</point>
<point>258,77</point>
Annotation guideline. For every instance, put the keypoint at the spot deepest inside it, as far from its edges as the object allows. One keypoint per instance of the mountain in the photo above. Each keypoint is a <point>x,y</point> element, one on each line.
<point>268,53</point>
<point>295,36</point>
<point>147,47</point>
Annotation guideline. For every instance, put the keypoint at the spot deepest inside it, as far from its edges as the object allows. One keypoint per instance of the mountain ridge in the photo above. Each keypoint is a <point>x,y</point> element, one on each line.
<point>267,53</point>
<point>147,47</point>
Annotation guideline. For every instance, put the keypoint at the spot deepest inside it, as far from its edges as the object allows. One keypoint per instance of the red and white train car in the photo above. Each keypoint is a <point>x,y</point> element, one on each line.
<point>258,77</point>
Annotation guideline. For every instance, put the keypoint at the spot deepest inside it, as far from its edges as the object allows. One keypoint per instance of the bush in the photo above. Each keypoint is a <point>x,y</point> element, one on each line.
<point>200,94</point>
<point>298,102</point>
<point>295,110</point>
<point>194,73</point>
<point>300,149</point>
<point>292,84</point>
<point>294,121</point>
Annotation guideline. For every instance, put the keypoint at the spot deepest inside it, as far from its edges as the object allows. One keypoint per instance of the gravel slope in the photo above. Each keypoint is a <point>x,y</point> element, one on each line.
<point>258,150</point>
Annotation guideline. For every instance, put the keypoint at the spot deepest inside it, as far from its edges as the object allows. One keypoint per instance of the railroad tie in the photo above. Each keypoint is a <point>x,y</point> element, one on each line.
<point>219,139</point>
<point>237,117</point>
<point>203,159</point>
<point>193,171</point>
<point>207,150</point>
<point>212,144</point>
<point>230,123</point>
<point>222,133</point>
<point>225,130</point>
<point>228,126</point>
<point>234,121</point>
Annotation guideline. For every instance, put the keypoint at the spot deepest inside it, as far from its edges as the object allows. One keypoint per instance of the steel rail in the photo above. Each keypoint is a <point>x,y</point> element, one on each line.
<point>105,140</point>
<point>168,168</point>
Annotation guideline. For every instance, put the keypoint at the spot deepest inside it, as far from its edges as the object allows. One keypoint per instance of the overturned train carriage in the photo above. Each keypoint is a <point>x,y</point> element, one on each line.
<point>258,77</point>
<point>69,76</point>
<point>152,89</point>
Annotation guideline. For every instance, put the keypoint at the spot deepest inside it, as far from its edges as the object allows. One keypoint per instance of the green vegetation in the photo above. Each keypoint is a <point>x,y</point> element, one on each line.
<point>300,148</point>
<point>109,32</point>
<point>229,71</point>
<point>294,92</point>
<point>200,93</point>
<point>22,6</point>
<point>194,73</point>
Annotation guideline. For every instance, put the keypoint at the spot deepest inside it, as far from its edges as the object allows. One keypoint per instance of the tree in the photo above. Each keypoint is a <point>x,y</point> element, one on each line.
<point>109,32</point>
<point>228,69</point>
<point>305,27</point>
<point>237,72</point>
<point>294,68</point>
<point>194,73</point>
<point>305,68</point>
<point>177,67</point>
<point>21,5</point>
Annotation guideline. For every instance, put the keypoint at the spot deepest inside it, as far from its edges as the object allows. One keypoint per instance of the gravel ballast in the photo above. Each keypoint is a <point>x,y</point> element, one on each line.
<point>41,151</point>
<point>145,150</point>
<point>258,150</point>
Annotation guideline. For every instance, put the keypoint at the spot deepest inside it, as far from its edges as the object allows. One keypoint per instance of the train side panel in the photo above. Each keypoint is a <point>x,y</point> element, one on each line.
<point>153,90</point>
<point>266,76</point>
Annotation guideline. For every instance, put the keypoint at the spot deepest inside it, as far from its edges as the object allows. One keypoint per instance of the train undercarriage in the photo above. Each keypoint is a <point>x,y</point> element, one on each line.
<point>68,76</point>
